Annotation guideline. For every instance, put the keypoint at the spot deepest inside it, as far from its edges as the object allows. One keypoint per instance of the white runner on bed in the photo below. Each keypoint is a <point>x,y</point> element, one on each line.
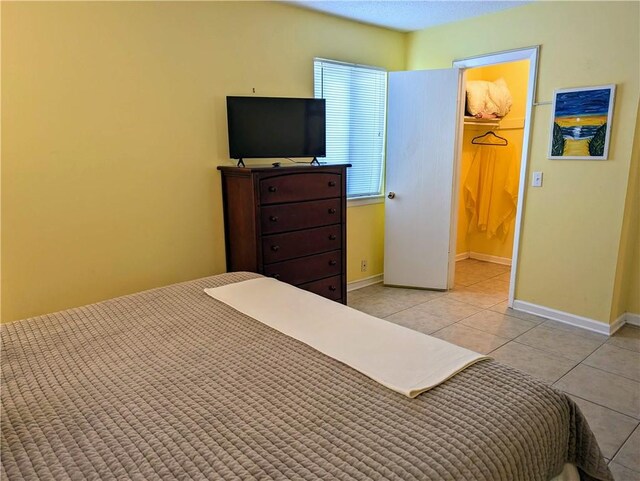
<point>401,359</point>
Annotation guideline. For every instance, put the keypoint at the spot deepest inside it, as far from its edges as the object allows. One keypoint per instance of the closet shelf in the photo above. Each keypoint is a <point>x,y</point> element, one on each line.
<point>476,121</point>
<point>485,122</point>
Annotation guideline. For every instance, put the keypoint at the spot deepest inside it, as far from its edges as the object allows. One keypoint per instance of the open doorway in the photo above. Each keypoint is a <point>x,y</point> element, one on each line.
<point>423,172</point>
<point>491,173</point>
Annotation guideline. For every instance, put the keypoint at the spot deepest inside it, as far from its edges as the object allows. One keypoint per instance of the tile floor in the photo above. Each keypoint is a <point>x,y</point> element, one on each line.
<point>602,374</point>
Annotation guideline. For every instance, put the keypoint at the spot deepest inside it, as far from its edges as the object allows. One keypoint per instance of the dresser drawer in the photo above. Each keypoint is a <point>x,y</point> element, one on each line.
<point>297,187</point>
<point>306,269</point>
<point>331,288</point>
<point>301,215</point>
<point>280,247</point>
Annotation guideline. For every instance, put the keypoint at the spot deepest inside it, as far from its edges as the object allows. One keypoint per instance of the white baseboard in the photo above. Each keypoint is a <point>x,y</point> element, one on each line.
<point>462,256</point>
<point>626,318</point>
<point>506,261</point>
<point>631,318</point>
<point>367,281</point>
<point>568,318</point>
<point>617,324</point>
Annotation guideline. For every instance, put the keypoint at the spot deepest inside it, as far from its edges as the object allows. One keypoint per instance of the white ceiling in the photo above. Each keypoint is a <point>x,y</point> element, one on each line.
<point>407,16</point>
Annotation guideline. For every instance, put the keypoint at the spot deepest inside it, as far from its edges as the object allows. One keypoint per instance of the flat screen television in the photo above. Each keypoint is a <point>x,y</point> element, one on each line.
<point>269,127</point>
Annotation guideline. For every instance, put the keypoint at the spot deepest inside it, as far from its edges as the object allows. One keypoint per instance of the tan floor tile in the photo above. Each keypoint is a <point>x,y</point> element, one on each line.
<point>354,295</point>
<point>470,338</point>
<point>492,269</point>
<point>616,360</point>
<point>603,388</point>
<point>506,277</point>
<point>449,309</point>
<point>417,296</point>
<point>484,270</point>
<point>417,319</point>
<point>563,343</point>
<point>611,428</point>
<point>503,308</point>
<point>629,454</point>
<point>377,295</point>
<point>380,306</point>
<point>578,331</point>
<point>498,324</point>
<point>621,473</point>
<point>541,364</point>
<point>371,290</point>
<point>627,337</point>
<point>467,265</point>
<point>493,285</point>
<point>457,285</point>
<point>468,278</point>
<point>476,297</point>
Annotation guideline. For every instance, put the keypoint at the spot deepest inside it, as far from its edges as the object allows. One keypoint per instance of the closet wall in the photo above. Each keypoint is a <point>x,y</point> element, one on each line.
<point>516,75</point>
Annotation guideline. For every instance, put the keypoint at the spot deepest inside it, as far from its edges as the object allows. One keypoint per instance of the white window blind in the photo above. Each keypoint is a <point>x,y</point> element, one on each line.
<point>356,108</point>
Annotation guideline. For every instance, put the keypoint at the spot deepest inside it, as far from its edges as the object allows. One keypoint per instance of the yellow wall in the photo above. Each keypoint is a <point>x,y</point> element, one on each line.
<point>365,241</point>
<point>626,296</point>
<point>516,75</point>
<point>572,225</point>
<point>113,123</point>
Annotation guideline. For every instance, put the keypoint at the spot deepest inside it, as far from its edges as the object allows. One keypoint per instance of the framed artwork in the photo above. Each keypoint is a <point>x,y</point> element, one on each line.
<point>581,123</point>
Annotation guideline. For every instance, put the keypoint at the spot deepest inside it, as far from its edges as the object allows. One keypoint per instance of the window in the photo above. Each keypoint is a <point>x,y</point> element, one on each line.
<point>356,108</point>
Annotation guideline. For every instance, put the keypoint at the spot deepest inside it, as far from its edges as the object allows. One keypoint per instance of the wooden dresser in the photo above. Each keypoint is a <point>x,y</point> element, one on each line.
<point>289,223</point>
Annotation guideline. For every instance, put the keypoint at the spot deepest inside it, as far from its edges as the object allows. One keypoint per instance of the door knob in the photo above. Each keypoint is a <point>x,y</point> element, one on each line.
<point>391,195</point>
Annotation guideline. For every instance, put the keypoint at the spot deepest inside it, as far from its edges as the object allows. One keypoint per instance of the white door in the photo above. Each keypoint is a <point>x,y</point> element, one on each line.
<point>423,117</point>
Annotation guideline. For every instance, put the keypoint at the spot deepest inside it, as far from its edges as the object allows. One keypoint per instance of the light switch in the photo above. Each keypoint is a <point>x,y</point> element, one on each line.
<point>537,179</point>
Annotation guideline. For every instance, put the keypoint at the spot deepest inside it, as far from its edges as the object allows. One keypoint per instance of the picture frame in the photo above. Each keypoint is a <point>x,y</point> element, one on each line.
<point>581,123</point>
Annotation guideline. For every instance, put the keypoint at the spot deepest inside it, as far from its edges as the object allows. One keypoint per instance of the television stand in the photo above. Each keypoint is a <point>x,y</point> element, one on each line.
<point>315,161</point>
<point>240,163</point>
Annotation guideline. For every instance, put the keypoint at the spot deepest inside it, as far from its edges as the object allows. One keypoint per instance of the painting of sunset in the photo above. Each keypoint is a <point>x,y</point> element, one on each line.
<point>581,123</point>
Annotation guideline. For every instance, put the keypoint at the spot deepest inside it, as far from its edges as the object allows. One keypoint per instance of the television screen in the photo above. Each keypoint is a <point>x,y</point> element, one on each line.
<point>264,127</point>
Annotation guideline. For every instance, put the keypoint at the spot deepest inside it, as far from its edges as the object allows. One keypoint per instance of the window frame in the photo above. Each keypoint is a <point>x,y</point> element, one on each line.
<point>371,198</point>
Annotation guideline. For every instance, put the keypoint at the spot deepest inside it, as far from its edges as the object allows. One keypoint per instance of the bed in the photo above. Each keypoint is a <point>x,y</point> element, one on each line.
<point>173,384</point>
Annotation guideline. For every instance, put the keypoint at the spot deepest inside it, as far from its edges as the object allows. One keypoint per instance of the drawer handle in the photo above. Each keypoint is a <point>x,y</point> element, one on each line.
<point>332,183</point>
<point>276,276</point>
<point>332,211</point>
<point>332,237</point>
<point>273,218</point>
<point>333,262</point>
<point>273,188</point>
<point>332,288</point>
<point>275,248</point>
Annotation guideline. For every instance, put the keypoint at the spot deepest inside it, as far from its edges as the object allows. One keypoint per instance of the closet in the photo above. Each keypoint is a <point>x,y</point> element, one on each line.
<point>429,155</point>
<point>490,168</point>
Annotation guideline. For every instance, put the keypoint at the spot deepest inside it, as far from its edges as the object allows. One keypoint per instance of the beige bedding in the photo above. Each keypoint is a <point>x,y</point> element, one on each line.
<point>172,384</point>
<point>406,361</point>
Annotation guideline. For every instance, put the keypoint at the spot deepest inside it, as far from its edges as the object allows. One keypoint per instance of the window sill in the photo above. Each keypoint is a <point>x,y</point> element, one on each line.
<point>359,201</point>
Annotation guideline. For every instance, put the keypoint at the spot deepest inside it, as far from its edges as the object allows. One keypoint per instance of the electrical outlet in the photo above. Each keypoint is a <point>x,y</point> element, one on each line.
<point>537,179</point>
<point>363,265</point>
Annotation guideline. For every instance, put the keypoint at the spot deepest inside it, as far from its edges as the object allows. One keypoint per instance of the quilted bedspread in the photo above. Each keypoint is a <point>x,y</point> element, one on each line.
<point>172,384</point>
